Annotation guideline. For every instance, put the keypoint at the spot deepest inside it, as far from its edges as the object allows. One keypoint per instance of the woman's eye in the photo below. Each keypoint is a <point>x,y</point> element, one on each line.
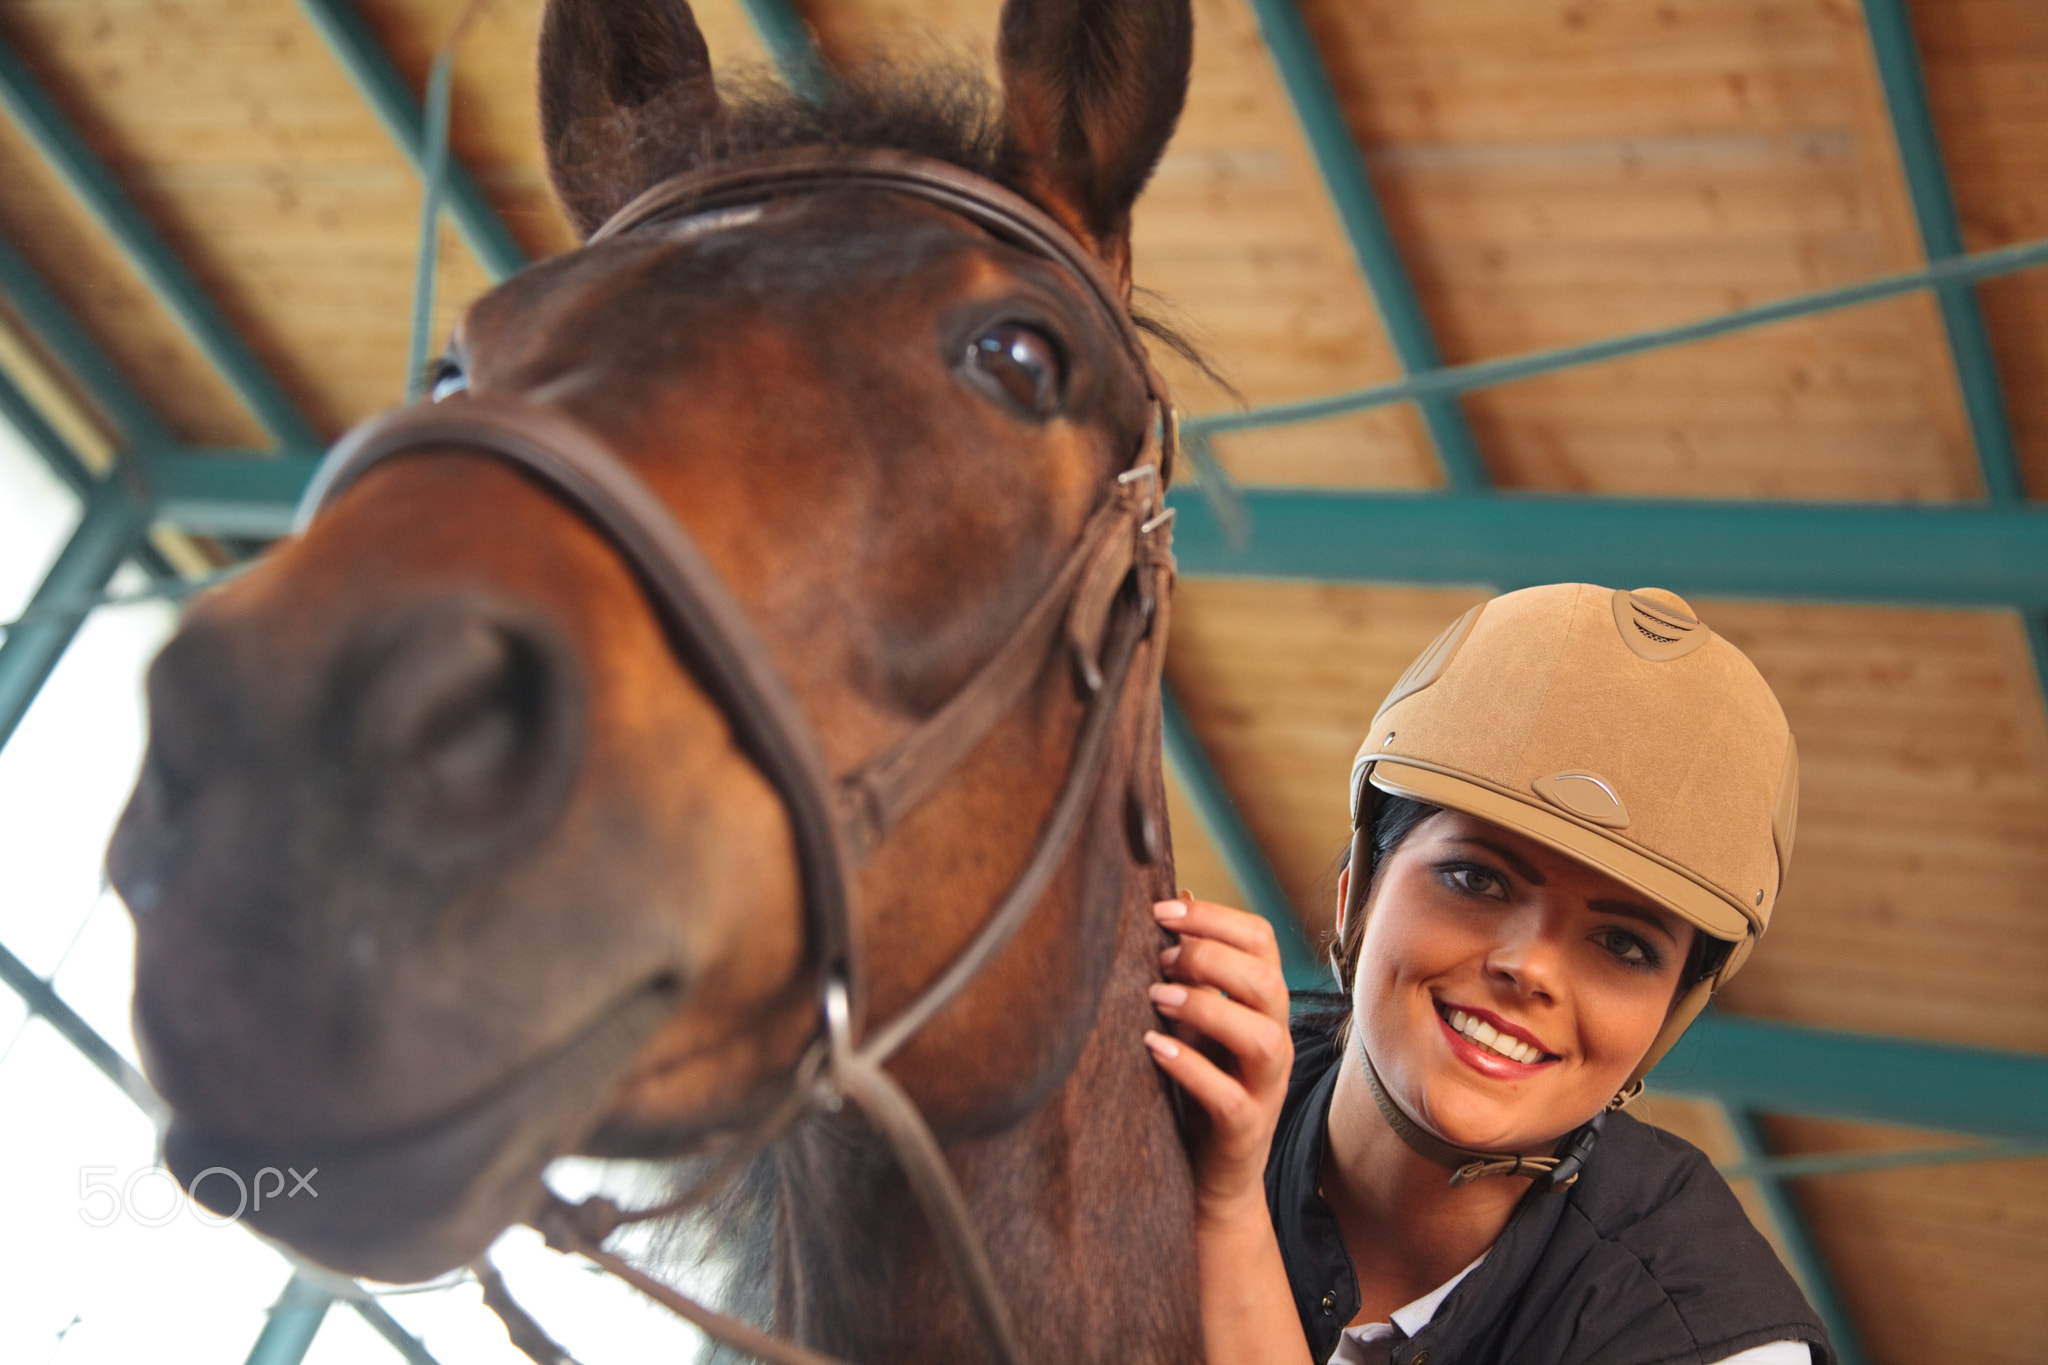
<point>1021,366</point>
<point>446,378</point>
<point>1477,881</point>
<point>1627,948</point>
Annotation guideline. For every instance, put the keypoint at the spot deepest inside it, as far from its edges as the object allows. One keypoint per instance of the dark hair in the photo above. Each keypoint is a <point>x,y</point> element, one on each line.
<point>1392,820</point>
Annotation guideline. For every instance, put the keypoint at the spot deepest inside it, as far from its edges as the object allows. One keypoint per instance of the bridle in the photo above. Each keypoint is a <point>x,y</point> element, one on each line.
<point>1104,602</point>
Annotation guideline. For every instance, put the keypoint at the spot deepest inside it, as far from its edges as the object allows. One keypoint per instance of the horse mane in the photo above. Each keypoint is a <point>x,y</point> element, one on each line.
<point>726,1246</point>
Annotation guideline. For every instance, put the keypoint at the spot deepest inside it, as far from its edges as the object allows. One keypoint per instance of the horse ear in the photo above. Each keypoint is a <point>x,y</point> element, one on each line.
<point>625,96</point>
<point>1092,90</point>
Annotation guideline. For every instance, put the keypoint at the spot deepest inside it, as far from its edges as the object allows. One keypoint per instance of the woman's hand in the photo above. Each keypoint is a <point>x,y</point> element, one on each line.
<point>1225,990</point>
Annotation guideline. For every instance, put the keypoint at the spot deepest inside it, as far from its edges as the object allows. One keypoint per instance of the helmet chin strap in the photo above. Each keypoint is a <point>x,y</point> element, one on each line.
<point>1554,1172</point>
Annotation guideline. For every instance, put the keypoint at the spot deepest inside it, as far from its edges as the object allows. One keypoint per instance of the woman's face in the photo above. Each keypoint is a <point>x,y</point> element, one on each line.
<point>1504,990</point>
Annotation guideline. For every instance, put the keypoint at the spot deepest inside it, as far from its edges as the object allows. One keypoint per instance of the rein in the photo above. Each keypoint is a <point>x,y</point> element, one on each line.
<point>1098,611</point>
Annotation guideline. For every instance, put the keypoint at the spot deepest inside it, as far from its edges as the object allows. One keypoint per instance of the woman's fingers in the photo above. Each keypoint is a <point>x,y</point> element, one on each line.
<point>1235,1147</point>
<point>1261,1048</point>
<point>1226,950</point>
<point>1240,929</point>
<point>1225,992</point>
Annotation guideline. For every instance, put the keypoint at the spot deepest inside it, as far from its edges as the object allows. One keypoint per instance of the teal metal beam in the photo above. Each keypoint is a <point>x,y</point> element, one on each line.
<point>1897,59</point>
<point>38,117</point>
<point>1321,116</point>
<point>43,1001</point>
<point>73,348</point>
<point>1797,1238</point>
<point>294,1321</point>
<point>1941,237</point>
<point>30,424</point>
<point>790,46</point>
<point>1226,829</point>
<point>1853,1163</point>
<point>405,1343</point>
<point>1867,1078</point>
<point>386,92</point>
<point>1943,554</point>
<point>1487,374</point>
<point>227,493</point>
<point>111,530</point>
<point>440,95</point>
<point>1939,554</point>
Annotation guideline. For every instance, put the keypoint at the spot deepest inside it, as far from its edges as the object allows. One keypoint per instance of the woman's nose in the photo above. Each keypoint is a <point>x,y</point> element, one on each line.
<point>1529,954</point>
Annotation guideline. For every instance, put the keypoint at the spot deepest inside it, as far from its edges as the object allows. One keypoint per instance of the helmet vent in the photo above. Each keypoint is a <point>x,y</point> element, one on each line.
<point>1586,795</point>
<point>1431,663</point>
<point>1657,625</point>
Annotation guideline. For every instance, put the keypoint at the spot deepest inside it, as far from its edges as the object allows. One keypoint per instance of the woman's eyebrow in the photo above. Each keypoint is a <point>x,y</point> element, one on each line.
<point>1629,910</point>
<point>1517,864</point>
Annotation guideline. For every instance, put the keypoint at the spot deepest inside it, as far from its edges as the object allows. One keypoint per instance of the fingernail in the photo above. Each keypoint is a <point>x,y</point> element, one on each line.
<point>1161,1044</point>
<point>1168,994</point>
<point>1169,956</point>
<point>1169,910</point>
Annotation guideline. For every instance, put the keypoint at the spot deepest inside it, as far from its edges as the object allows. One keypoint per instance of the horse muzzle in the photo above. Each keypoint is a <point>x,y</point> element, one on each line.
<point>416,1204</point>
<point>325,867</point>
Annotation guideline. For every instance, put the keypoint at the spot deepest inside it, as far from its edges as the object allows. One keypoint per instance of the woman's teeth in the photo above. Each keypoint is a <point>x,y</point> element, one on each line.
<point>1491,1038</point>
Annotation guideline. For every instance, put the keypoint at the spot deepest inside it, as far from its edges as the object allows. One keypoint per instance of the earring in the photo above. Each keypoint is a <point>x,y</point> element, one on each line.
<point>1625,1096</point>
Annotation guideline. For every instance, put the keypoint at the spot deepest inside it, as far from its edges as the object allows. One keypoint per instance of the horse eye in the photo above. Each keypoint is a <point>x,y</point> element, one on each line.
<point>1019,365</point>
<point>445,379</point>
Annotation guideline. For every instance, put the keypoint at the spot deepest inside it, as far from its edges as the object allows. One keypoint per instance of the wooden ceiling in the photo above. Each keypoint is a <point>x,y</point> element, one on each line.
<point>1552,172</point>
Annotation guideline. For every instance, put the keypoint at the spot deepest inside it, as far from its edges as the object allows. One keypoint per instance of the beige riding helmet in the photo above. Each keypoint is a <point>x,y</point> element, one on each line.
<point>1618,729</point>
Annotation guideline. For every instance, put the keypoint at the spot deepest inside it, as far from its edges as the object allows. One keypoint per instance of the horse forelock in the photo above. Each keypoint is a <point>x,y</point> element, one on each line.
<point>948,112</point>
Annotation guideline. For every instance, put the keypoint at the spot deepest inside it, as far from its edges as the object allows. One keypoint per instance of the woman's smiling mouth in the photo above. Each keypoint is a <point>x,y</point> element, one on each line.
<point>1470,1028</point>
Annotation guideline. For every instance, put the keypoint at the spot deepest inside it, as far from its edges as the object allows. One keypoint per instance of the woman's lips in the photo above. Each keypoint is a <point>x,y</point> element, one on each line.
<point>1482,1040</point>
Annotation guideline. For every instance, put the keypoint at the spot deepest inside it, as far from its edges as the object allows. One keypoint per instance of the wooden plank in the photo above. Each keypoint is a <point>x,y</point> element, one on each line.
<point>1955,1253</point>
<point>244,141</point>
<point>1914,896</point>
<point>1983,61</point>
<point>86,272</point>
<point>1197,866</point>
<point>1560,172</point>
<point>251,154</point>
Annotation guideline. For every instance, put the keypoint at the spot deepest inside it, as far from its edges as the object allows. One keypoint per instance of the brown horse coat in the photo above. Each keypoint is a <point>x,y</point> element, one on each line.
<point>442,865</point>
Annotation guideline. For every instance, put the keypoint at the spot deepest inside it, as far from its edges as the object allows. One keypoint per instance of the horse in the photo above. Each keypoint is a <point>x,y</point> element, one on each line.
<point>458,848</point>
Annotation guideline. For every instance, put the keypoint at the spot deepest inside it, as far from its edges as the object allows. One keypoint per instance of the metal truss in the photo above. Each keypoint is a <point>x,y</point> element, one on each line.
<point>167,277</point>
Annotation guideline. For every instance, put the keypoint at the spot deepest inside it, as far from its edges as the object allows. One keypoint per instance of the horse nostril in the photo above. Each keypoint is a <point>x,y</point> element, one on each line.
<point>460,710</point>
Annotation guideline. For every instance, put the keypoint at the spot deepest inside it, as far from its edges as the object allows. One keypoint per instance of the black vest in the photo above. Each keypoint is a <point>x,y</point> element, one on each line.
<point>1648,1258</point>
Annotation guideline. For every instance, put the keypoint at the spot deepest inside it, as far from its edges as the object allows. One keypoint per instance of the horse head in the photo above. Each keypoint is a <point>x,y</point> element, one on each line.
<point>447,859</point>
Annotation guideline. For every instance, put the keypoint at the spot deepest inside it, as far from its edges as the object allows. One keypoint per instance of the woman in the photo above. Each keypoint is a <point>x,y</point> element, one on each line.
<point>1572,816</point>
